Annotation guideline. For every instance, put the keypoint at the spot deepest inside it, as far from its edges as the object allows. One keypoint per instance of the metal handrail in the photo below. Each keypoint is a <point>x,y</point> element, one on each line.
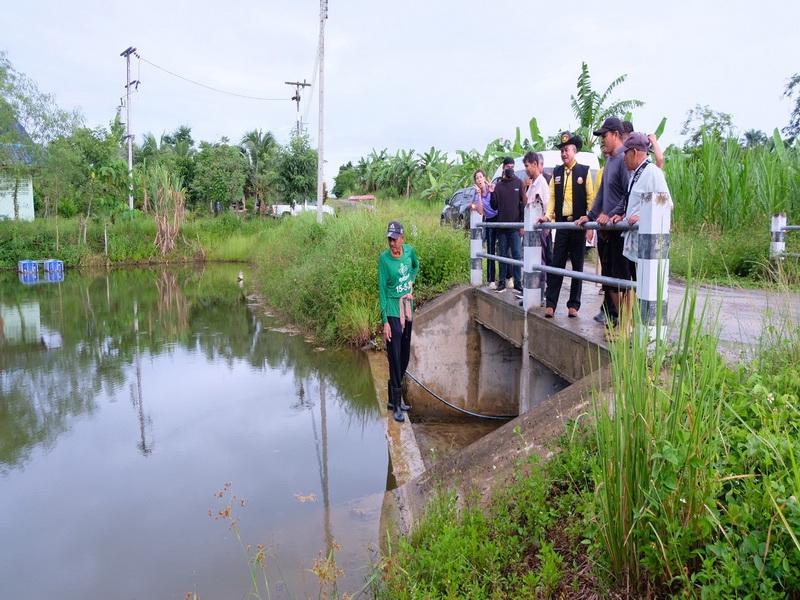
<point>500,225</point>
<point>652,257</point>
<point>503,259</point>
<point>619,226</point>
<point>625,284</point>
<point>594,225</point>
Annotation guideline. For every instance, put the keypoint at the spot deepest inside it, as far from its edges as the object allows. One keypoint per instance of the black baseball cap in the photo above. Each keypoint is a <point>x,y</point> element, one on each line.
<point>610,124</point>
<point>394,230</point>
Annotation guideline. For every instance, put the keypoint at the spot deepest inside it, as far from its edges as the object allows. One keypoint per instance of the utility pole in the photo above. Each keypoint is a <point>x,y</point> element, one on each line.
<point>127,54</point>
<point>323,16</point>
<point>296,98</point>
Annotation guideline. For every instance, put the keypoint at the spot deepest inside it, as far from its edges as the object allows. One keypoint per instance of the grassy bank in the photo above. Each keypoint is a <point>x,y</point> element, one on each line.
<point>688,488</point>
<point>325,276</point>
<point>130,240</point>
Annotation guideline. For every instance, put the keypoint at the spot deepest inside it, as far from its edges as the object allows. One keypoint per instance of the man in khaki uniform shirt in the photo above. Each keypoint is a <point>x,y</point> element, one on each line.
<point>571,194</point>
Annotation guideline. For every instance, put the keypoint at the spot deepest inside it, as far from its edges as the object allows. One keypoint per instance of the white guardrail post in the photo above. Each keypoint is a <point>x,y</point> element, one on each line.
<point>531,259</point>
<point>777,246</point>
<point>475,246</point>
<point>652,269</point>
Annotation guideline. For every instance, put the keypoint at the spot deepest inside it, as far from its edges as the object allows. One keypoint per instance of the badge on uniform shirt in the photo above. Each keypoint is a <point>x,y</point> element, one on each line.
<point>558,178</point>
<point>580,180</point>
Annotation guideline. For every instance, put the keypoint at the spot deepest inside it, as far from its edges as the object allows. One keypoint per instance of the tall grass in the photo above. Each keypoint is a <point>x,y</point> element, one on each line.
<point>655,442</point>
<point>325,276</point>
<point>725,186</point>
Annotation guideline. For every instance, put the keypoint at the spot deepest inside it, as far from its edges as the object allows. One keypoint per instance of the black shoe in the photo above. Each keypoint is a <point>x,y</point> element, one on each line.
<point>398,415</point>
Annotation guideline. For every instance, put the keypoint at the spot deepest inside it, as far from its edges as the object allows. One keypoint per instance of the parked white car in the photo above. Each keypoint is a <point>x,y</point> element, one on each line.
<point>282,210</point>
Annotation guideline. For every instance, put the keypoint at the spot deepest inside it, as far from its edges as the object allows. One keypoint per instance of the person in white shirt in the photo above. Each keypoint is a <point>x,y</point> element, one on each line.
<point>538,195</point>
<point>646,180</point>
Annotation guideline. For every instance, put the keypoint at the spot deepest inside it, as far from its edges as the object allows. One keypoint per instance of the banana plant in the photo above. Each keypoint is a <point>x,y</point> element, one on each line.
<point>535,142</point>
<point>591,108</point>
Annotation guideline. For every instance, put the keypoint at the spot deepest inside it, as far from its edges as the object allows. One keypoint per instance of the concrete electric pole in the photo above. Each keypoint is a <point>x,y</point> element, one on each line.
<point>127,54</point>
<point>323,16</point>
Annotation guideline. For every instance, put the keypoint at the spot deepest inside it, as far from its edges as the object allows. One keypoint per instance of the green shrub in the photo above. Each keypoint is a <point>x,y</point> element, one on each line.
<point>67,208</point>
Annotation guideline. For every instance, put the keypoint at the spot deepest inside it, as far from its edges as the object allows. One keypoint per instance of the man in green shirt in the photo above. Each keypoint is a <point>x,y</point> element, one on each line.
<point>397,270</point>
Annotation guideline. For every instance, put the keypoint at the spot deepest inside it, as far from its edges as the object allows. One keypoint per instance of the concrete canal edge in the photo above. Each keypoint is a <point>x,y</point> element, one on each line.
<point>466,348</point>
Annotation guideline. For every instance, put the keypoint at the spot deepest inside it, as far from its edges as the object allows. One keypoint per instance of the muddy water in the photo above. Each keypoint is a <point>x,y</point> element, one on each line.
<point>129,400</point>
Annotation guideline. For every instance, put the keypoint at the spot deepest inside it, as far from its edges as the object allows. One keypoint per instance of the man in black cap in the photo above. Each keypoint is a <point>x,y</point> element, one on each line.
<point>610,201</point>
<point>397,270</point>
<point>508,199</point>
<point>571,193</point>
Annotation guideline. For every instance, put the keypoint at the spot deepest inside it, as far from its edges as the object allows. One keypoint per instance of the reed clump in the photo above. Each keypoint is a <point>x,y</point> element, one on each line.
<point>168,198</point>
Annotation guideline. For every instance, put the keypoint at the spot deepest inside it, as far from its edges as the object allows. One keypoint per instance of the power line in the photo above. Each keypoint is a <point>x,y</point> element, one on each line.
<point>209,87</point>
<point>313,84</point>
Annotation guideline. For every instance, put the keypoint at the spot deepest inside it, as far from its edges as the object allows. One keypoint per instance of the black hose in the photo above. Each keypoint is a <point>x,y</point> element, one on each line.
<point>457,408</point>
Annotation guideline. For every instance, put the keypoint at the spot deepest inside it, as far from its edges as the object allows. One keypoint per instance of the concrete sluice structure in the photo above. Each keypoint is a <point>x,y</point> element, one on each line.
<point>467,348</point>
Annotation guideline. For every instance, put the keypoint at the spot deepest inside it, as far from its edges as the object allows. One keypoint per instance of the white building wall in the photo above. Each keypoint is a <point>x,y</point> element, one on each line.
<point>24,197</point>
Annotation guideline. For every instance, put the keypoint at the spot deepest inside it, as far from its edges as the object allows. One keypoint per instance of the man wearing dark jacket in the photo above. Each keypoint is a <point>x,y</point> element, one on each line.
<point>610,201</point>
<point>508,199</point>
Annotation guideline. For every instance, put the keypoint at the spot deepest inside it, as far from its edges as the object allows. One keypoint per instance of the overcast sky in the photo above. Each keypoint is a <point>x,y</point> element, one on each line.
<point>410,74</point>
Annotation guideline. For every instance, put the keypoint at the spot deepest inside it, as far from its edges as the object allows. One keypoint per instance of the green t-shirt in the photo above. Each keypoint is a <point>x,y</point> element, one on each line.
<point>395,276</point>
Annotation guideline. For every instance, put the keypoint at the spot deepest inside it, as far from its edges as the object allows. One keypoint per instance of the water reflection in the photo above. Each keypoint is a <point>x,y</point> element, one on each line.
<point>163,386</point>
<point>102,336</point>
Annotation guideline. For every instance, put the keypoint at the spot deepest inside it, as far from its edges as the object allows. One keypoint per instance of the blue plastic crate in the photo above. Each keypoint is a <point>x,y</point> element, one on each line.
<point>27,266</point>
<point>51,264</point>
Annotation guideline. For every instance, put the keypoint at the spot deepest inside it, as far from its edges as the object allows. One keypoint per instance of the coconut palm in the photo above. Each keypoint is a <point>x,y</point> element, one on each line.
<point>259,148</point>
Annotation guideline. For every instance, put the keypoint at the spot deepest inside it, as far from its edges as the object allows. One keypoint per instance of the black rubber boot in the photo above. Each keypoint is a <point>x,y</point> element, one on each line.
<point>397,400</point>
<point>403,405</point>
<point>390,404</point>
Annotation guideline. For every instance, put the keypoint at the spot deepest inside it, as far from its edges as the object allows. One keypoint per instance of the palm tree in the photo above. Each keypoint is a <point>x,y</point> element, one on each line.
<point>149,146</point>
<point>592,108</point>
<point>258,144</point>
<point>258,147</point>
<point>753,138</point>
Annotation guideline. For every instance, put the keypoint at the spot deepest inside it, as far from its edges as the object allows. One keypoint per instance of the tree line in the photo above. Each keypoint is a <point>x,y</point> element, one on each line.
<point>717,176</point>
<point>81,170</point>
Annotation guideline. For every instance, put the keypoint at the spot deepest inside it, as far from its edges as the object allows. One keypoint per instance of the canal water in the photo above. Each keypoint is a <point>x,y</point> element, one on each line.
<point>143,412</point>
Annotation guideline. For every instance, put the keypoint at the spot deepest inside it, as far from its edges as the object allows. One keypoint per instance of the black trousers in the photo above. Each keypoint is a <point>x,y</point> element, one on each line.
<point>398,350</point>
<point>568,244</point>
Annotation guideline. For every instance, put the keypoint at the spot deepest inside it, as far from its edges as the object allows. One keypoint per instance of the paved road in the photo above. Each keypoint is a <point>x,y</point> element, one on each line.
<point>741,315</point>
